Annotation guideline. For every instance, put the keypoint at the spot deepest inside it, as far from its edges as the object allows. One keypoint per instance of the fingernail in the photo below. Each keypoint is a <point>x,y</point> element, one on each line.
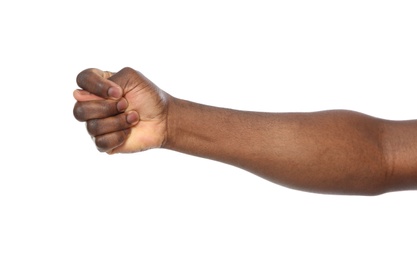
<point>122,105</point>
<point>132,118</point>
<point>115,92</point>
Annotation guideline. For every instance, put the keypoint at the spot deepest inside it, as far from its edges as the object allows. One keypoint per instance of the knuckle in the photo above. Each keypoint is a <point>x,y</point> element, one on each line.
<point>82,77</point>
<point>93,127</point>
<point>109,141</point>
<point>102,143</point>
<point>128,71</point>
<point>79,112</point>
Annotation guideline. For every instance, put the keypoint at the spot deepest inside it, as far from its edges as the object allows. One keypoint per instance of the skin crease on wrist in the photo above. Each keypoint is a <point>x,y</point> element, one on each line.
<point>332,152</point>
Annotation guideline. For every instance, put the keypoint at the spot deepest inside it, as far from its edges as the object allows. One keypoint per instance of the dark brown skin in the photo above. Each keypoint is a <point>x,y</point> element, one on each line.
<point>335,151</point>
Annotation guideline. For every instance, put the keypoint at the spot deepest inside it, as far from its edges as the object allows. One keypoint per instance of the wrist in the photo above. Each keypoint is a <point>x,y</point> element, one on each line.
<point>172,112</point>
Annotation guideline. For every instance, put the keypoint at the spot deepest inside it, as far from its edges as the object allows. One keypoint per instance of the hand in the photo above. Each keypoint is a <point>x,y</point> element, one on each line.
<point>125,112</point>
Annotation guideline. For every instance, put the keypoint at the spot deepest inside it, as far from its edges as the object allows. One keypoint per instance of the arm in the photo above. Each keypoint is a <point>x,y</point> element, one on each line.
<point>340,152</point>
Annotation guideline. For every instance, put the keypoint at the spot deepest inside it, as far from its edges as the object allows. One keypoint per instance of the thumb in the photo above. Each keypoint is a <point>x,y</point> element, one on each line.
<point>83,95</point>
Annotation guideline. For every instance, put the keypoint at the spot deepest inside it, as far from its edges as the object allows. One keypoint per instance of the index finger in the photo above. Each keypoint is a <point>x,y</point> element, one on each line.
<point>96,82</point>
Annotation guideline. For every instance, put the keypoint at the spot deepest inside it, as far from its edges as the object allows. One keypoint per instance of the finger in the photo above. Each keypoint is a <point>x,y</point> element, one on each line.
<point>116,123</point>
<point>96,82</point>
<point>95,109</point>
<point>82,95</point>
<point>108,142</point>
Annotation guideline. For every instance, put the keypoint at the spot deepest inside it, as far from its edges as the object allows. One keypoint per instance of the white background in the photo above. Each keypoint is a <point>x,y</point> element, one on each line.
<point>62,199</point>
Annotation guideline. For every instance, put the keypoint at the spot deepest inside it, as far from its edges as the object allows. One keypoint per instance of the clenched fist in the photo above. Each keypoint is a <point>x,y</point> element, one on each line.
<point>124,111</point>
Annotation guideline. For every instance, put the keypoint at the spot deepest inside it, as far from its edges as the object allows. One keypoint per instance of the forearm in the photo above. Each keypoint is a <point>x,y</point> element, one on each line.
<point>329,152</point>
